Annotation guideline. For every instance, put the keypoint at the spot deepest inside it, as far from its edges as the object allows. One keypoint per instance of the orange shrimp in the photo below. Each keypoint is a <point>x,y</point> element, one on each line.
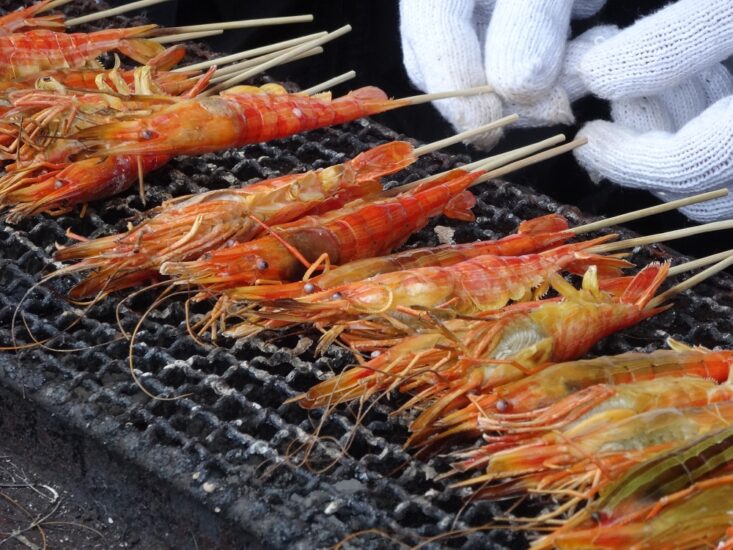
<point>187,227</point>
<point>481,283</point>
<point>25,19</point>
<point>532,236</point>
<point>362,229</point>
<point>665,492</point>
<point>587,457</point>
<point>39,50</point>
<point>236,117</point>
<point>608,403</point>
<point>566,391</point>
<point>59,190</point>
<point>694,518</point>
<point>476,356</point>
<point>169,82</point>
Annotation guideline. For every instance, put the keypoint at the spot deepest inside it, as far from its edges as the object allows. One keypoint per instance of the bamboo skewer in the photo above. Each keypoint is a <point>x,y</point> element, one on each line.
<point>691,282</point>
<point>227,71</point>
<point>662,237</point>
<point>185,36</point>
<point>279,59</point>
<point>246,54</point>
<point>328,84</point>
<point>701,262</point>
<point>107,13</point>
<point>653,210</point>
<point>430,147</point>
<point>242,24</point>
<point>227,75</point>
<point>502,159</point>
<point>539,157</point>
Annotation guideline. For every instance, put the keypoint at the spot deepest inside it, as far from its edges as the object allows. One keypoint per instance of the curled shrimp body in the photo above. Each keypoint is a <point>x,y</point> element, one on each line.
<point>39,50</point>
<point>363,228</point>
<point>239,116</point>
<point>187,227</point>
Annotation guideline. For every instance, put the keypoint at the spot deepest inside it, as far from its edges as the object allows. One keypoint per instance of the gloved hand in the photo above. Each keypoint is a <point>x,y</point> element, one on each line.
<point>671,104</point>
<point>517,46</point>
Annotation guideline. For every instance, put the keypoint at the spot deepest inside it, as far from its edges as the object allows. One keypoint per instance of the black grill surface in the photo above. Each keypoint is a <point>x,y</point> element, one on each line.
<point>229,442</point>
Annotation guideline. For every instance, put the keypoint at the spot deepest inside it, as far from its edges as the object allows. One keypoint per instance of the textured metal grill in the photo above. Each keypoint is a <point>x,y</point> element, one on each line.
<point>228,441</point>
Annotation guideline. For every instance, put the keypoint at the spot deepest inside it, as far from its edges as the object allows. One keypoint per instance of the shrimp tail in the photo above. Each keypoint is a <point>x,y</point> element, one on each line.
<point>544,224</point>
<point>140,49</point>
<point>608,266</point>
<point>459,207</point>
<point>168,58</point>
<point>645,284</point>
<point>384,159</point>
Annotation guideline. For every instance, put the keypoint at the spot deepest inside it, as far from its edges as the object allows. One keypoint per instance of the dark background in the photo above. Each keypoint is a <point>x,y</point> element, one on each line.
<point>372,49</point>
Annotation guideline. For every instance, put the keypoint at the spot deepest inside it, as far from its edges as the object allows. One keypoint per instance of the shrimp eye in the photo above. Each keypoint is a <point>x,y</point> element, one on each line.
<point>336,296</point>
<point>58,184</point>
<point>502,405</point>
<point>262,264</point>
<point>375,353</point>
<point>148,134</point>
<point>309,288</point>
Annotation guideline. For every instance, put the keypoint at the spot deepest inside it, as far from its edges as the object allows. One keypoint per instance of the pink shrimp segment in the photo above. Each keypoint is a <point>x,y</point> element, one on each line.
<point>362,229</point>
<point>187,227</point>
<point>39,50</point>
<point>236,117</point>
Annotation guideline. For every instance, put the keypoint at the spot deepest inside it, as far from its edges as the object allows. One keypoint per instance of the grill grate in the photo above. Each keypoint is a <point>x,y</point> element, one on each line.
<point>227,441</point>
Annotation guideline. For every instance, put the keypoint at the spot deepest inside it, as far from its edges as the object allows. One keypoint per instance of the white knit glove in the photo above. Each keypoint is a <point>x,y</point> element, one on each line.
<point>671,104</point>
<point>516,46</point>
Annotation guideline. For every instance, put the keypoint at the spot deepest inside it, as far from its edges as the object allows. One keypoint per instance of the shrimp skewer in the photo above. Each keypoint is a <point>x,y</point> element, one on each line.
<point>517,339</point>
<point>236,117</point>
<point>644,491</point>
<point>532,236</point>
<point>481,283</point>
<point>187,227</point>
<point>35,51</point>
<point>598,454</point>
<point>565,391</point>
<point>363,228</point>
